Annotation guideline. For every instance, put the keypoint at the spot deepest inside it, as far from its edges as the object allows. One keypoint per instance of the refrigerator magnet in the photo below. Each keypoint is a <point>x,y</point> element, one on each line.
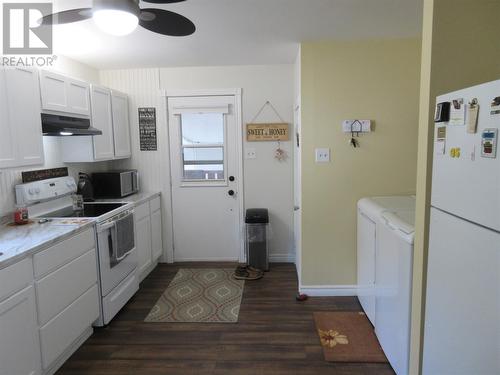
<point>457,112</point>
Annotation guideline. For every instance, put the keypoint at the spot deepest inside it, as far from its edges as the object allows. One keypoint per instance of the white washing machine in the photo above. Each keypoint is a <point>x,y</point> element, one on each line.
<point>369,214</point>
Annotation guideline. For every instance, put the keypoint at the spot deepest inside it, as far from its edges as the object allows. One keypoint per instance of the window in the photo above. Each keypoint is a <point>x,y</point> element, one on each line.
<point>203,142</point>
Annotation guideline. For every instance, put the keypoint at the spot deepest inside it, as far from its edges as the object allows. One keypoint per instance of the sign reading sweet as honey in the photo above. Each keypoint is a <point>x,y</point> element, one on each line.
<point>267,132</point>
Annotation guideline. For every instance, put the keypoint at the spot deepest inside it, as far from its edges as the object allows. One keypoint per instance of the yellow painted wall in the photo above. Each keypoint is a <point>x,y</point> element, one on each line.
<point>460,49</point>
<point>377,80</point>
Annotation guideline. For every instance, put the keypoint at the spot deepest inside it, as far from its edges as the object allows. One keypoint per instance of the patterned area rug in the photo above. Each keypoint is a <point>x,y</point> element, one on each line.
<point>200,296</point>
<point>348,337</point>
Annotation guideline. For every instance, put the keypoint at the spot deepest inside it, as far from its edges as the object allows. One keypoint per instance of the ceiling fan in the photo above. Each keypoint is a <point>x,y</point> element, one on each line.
<point>121,17</point>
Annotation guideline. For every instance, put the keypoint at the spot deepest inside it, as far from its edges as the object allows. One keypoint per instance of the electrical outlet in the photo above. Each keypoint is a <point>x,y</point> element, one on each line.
<point>322,155</point>
<point>250,153</point>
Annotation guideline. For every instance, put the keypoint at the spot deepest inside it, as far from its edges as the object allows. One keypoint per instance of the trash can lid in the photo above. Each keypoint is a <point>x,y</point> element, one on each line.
<point>257,216</point>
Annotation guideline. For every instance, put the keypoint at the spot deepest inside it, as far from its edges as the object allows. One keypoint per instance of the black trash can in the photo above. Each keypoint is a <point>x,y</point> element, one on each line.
<point>256,236</point>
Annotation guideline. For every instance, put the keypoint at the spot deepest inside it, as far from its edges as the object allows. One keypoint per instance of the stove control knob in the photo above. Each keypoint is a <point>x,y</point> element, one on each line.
<point>31,191</point>
<point>37,191</point>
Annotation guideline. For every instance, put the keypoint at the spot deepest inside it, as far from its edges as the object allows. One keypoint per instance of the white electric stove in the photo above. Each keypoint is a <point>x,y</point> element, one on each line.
<point>115,236</point>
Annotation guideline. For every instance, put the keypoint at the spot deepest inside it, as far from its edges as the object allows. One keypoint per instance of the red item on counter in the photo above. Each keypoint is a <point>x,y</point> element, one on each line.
<point>21,216</point>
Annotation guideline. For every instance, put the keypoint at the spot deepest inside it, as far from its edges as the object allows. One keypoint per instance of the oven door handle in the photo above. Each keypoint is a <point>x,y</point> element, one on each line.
<point>105,227</point>
<point>125,255</point>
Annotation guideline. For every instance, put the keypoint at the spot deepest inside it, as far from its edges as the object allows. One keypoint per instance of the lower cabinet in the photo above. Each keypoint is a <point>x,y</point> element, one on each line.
<point>149,244</point>
<point>19,342</point>
<point>48,303</point>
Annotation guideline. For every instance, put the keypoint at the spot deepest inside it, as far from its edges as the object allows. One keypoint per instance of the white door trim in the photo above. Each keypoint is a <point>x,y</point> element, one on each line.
<point>236,92</point>
<point>174,93</point>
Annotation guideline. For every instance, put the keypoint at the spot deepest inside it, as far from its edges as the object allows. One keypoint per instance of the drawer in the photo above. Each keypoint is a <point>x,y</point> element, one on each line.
<point>155,204</point>
<point>115,300</point>
<point>142,211</point>
<point>59,289</point>
<point>58,334</point>
<point>65,251</point>
<point>15,277</point>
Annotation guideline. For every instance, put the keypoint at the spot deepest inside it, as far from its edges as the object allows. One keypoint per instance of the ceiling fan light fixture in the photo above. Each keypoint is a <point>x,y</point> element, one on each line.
<point>117,18</point>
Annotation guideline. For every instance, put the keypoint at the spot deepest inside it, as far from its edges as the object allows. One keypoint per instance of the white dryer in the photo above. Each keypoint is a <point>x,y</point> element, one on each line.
<point>393,286</point>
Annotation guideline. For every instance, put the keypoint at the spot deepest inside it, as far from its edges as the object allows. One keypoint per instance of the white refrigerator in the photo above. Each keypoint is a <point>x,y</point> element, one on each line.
<point>462,312</point>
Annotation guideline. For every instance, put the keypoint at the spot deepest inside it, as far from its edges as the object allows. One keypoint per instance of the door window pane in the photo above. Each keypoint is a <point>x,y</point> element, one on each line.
<point>202,128</point>
<point>203,163</point>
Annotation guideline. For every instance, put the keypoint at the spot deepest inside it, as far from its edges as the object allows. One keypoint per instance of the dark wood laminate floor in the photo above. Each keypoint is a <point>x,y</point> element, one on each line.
<point>275,335</point>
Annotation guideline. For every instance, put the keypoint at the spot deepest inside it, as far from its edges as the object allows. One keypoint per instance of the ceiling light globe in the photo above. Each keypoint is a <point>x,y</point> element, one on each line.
<point>115,22</point>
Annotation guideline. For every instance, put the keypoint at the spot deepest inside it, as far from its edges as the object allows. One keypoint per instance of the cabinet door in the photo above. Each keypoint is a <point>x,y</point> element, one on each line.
<point>156,240</point>
<point>102,120</point>
<point>78,97</point>
<point>19,342</point>
<point>54,91</point>
<point>7,142</point>
<point>24,112</point>
<point>121,125</point>
<point>143,244</point>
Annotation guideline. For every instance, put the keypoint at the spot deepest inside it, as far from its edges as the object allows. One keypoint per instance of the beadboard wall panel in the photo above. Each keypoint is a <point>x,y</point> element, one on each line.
<point>143,88</point>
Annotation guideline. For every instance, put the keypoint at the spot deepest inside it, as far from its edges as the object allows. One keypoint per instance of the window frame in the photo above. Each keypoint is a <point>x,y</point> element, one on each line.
<point>187,182</point>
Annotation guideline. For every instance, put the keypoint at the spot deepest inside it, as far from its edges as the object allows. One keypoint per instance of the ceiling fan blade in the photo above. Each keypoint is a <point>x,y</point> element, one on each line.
<point>162,1</point>
<point>167,23</point>
<point>67,16</point>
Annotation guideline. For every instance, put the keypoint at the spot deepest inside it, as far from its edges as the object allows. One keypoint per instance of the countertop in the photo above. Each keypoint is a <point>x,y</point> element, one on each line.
<point>18,242</point>
<point>136,199</point>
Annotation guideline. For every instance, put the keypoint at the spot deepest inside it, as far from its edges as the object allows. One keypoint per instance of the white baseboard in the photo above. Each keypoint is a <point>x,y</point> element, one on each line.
<point>282,258</point>
<point>329,290</point>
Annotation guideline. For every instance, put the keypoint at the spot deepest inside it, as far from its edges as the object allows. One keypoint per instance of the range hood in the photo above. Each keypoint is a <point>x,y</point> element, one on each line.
<point>60,126</point>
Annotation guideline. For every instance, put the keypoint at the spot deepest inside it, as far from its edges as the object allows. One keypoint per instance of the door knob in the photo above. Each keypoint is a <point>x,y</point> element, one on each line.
<point>231,192</point>
<point>231,178</point>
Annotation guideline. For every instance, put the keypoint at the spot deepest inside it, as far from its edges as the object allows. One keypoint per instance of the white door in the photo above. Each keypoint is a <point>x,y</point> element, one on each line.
<point>205,145</point>
<point>20,346</point>
<point>297,216</point>
<point>121,125</point>
<point>102,120</point>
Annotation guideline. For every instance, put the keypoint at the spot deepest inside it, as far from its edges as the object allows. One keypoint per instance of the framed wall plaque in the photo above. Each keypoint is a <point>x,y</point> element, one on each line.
<point>147,129</point>
<point>267,132</point>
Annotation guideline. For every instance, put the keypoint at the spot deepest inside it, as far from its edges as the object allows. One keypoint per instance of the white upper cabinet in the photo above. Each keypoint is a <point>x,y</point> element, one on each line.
<point>102,119</point>
<point>109,114</point>
<point>21,142</point>
<point>65,95</point>
<point>121,125</point>
<point>7,145</point>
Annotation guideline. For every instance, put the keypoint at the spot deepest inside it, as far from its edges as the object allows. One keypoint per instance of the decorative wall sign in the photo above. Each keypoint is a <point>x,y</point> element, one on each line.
<point>147,129</point>
<point>267,132</point>
<point>43,174</point>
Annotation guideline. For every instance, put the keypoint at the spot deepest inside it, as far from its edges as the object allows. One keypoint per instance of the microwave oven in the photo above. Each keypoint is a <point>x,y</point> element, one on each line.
<point>115,184</point>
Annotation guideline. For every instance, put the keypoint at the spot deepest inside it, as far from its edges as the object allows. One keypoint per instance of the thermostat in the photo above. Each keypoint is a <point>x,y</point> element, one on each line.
<point>489,138</point>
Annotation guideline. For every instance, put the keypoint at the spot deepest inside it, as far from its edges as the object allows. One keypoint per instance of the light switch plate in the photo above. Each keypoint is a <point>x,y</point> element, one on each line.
<point>322,155</point>
<point>250,153</point>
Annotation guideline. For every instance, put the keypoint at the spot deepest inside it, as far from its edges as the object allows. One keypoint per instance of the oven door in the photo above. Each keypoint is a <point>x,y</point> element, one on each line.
<point>117,256</point>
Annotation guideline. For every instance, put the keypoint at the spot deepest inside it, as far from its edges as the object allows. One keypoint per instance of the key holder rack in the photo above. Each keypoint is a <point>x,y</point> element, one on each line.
<point>354,128</point>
